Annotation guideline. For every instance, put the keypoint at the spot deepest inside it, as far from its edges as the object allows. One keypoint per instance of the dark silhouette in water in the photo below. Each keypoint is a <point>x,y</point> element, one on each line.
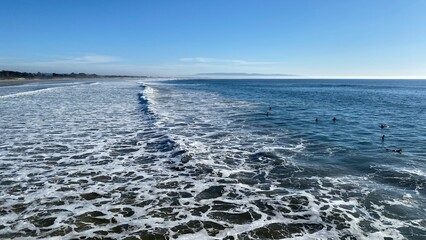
<point>393,150</point>
<point>316,120</point>
<point>267,114</point>
<point>334,119</point>
<point>383,138</point>
<point>382,126</point>
<point>270,108</point>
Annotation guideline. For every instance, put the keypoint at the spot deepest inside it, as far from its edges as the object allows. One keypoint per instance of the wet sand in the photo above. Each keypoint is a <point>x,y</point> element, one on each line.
<point>20,81</point>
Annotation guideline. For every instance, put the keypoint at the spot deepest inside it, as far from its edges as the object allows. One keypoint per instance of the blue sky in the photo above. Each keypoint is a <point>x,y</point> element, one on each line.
<point>359,38</point>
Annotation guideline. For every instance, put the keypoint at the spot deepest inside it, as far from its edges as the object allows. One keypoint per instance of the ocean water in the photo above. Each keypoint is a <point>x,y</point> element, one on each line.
<point>202,159</point>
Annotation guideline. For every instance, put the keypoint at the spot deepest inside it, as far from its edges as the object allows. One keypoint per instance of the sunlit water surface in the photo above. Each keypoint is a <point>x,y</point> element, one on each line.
<point>194,159</point>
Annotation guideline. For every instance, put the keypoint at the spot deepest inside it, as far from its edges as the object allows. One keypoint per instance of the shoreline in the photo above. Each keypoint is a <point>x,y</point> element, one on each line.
<point>21,81</point>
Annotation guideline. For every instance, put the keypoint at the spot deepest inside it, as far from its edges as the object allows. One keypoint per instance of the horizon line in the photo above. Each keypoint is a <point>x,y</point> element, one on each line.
<point>234,75</point>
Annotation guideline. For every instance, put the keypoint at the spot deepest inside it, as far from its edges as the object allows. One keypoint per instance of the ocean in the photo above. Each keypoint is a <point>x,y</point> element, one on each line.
<point>213,159</point>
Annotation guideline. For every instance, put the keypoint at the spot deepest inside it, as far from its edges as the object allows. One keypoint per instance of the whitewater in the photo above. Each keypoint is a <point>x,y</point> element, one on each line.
<point>213,159</point>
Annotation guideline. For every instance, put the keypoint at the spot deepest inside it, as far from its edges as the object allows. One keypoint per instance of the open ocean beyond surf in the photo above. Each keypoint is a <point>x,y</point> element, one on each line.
<point>200,159</point>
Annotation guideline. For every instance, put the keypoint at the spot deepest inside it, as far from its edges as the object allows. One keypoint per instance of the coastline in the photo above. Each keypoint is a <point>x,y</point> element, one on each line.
<point>20,81</point>
<point>17,81</point>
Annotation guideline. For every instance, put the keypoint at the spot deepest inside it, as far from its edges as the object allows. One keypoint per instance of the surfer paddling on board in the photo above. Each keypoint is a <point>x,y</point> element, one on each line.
<point>393,150</point>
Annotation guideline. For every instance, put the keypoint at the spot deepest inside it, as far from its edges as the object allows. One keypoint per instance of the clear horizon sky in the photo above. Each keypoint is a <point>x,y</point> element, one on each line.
<point>313,38</point>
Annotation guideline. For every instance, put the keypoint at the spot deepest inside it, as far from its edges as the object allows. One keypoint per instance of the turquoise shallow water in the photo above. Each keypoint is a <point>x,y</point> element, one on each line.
<point>203,159</point>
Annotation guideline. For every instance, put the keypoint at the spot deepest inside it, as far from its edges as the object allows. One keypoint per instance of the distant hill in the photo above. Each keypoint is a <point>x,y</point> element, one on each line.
<point>14,75</point>
<point>246,74</point>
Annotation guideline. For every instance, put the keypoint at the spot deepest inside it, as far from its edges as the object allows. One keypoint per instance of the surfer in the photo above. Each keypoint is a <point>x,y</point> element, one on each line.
<point>383,138</point>
<point>334,119</point>
<point>316,120</point>
<point>267,113</point>
<point>393,150</point>
<point>382,126</point>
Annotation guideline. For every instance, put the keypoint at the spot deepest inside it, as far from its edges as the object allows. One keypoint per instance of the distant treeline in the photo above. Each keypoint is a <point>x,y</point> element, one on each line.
<point>39,75</point>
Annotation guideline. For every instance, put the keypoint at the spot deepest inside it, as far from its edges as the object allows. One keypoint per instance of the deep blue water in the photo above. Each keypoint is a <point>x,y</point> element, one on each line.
<point>353,143</point>
<point>213,159</point>
<point>347,155</point>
